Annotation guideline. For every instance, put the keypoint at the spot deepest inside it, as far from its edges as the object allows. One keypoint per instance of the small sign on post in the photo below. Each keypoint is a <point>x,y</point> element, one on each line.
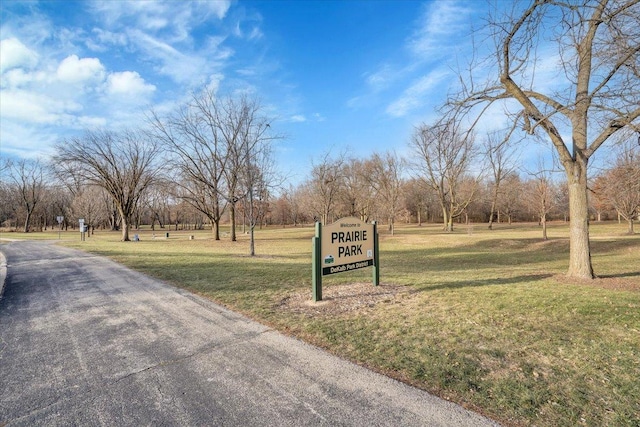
<point>347,244</point>
<point>59,218</point>
<point>81,223</point>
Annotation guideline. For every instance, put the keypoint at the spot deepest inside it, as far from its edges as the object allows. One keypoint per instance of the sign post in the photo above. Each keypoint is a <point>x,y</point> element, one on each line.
<point>317,264</point>
<point>59,218</point>
<point>347,244</point>
<point>81,222</point>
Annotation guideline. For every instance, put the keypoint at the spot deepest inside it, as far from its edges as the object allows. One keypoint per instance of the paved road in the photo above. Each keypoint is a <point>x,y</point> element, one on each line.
<point>85,341</point>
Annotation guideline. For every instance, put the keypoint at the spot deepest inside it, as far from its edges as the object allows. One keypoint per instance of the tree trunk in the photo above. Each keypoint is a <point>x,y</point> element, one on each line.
<point>449,227</point>
<point>579,245</point>
<point>445,218</point>
<point>252,222</point>
<point>232,214</point>
<point>26,222</point>
<point>493,210</point>
<point>125,229</point>
<point>215,227</point>
<point>543,221</point>
<point>630,221</point>
<point>252,241</point>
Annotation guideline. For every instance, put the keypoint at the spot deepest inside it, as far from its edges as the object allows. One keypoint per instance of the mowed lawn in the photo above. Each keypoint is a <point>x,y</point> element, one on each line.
<point>482,317</point>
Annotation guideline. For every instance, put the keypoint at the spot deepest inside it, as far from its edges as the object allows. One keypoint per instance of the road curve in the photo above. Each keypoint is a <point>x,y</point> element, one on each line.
<point>86,341</point>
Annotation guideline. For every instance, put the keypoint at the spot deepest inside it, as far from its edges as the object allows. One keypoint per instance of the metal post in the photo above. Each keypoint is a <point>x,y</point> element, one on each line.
<point>376,256</point>
<point>317,264</point>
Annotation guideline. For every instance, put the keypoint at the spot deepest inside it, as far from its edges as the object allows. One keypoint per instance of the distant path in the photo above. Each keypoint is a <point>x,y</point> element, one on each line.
<point>85,341</point>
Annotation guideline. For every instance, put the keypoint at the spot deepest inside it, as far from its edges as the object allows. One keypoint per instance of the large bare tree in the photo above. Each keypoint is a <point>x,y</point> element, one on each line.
<point>593,93</point>
<point>123,163</point>
<point>198,150</point>
<point>443,156</point>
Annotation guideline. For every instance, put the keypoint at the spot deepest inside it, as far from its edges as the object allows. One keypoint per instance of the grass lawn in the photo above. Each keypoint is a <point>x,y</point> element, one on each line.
<point>481,317</point>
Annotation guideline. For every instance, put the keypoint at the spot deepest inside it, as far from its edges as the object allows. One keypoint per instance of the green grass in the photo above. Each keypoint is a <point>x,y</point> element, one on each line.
<point>488,319</point>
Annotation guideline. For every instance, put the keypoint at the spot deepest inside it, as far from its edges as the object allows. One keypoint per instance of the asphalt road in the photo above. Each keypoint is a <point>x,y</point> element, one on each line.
<point>85,341</point>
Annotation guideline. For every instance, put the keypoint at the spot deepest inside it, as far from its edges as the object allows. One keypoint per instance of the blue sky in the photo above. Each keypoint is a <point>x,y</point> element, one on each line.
<point>347,76</point>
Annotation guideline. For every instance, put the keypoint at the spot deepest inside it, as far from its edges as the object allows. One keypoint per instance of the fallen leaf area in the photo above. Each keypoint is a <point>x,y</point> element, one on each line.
<point>339,299</point>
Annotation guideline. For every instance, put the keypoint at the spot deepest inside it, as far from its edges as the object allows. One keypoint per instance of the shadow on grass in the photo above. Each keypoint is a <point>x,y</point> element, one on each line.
<point>617,276</point>
<point>483,255</point>
<point>527,278</point>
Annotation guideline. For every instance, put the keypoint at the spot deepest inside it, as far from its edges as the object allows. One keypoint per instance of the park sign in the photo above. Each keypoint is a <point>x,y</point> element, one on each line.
<point>346,245</point>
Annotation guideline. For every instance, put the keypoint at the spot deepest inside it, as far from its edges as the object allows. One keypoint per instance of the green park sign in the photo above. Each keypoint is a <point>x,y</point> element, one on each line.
<point>346,245</point>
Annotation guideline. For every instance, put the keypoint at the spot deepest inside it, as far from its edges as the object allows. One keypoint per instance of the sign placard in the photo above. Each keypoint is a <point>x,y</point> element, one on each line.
<point>347,244</point>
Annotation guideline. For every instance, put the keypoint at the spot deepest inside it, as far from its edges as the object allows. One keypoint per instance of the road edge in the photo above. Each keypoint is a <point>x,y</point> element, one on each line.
<point>3,273</point>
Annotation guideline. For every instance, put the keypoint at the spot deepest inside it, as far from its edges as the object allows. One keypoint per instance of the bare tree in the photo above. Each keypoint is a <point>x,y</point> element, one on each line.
<point>121,163</point>
<point>385,177</point>
<point>256,173</point>
<point>419,199</point>
<point>621,184</point>
<point>193,136</point>
<point>510,199</point>
<point>595,92</point>
<point>230,120</point>
<point>90,205</point>
<point>155,202</point>
<point>444,154</point>
<point>26,181</point>
<point>539,192</point>
<point>327,180</point>
<point>357,196</point>
<point>500,156</point>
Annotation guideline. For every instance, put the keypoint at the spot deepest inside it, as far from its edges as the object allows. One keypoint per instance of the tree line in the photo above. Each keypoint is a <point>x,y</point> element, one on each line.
<point>122,181</point>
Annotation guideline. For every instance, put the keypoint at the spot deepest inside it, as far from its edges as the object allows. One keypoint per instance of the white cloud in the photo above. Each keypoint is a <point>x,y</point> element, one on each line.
<point>382,78</point>
<point>438,35</point>
<point>88,122</point>
<point>29,142</point>
<point>176,18</point>
<point>181,66</point>
<point>51,86</point>
<point>18,77</point>
<point>104,40</point>
<point>297,118</point>
<point>253,33</point>
<point>440,22</point>
<point>75,70</point>
<point>36,108</point>
<point>14,54</point>
<point>416,95</point>
<point>128,83</point>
